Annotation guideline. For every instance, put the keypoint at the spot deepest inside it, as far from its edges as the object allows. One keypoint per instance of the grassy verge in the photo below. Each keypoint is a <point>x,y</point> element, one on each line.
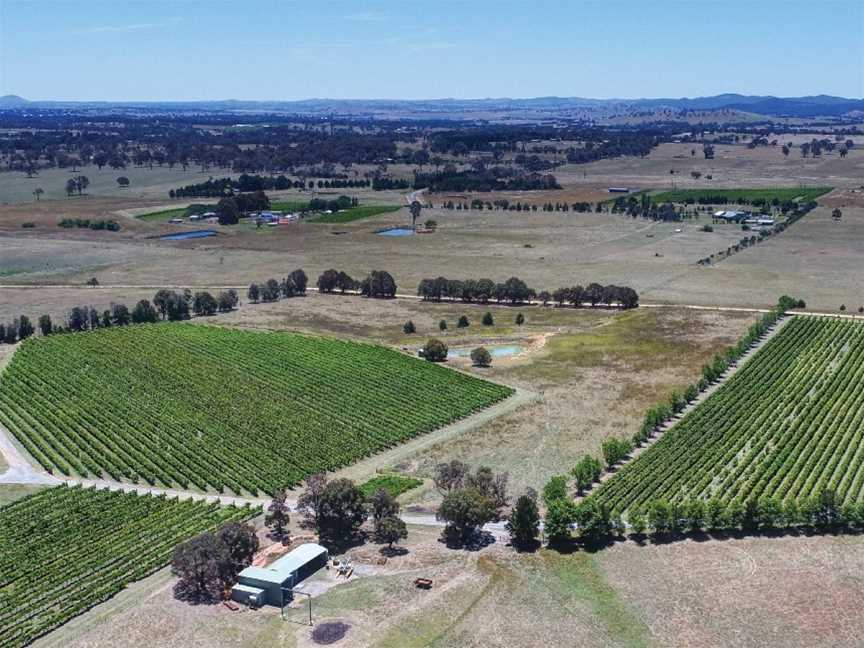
<point>782,194</point>
<point>355,213</point>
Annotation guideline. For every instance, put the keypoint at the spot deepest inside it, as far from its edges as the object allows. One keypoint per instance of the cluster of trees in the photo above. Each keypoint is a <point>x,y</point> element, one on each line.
<point>337,204</point>
<point>483,180</point>
<point>166,305</point>
<point>515,291</point>
<point>78,185</point>
<point>337,511</point>
<point>471,499</point>
<point>279,144</point>
<point>643,207</point>
<point>815,147</point>
<point>208,564</point>
<point>594,294</point>
<point>272,290</point>
<point>85,223</point>
<point>230,209</point>
<point>20,328</point>
<point>378,283</point>
<point>482,291</point>
<point>597,142</point>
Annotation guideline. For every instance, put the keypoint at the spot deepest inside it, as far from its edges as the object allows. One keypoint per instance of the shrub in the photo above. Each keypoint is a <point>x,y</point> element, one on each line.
<point>555,488</point>
<point>524,522</point>
<point>408,328</point>
<point>435,351</point>
<point>488,320</point>
<point>463,322</point>
<point>481,357</point>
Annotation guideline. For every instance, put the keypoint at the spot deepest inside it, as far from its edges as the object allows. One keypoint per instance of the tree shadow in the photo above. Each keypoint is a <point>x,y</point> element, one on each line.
<point>344,544</point>
<point>182,592</point>
<point>475,542</point>
<point>530,547</point>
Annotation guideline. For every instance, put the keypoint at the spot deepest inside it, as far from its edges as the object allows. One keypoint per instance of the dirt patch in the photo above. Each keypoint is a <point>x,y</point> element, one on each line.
<point>329,632</point>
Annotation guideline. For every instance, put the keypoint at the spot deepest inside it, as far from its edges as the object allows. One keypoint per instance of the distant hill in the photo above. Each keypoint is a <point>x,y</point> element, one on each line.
<point>13,101</point>
<point>808,106</point>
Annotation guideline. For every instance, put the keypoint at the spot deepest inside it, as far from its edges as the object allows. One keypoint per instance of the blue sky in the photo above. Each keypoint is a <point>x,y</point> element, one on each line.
<point>254,49</point>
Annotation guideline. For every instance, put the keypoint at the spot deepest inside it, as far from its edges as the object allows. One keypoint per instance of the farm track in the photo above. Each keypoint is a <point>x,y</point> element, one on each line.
<point>22,471</point>
<point>700,307</point>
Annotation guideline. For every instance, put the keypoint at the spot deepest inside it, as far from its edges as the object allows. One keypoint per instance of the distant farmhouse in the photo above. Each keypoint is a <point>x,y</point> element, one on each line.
<point>745,217</point>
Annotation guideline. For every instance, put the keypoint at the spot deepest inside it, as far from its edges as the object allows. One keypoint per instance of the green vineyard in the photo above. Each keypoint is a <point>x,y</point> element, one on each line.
<point>214,407</point>
<point>787,426</point>
<point>64,550</point>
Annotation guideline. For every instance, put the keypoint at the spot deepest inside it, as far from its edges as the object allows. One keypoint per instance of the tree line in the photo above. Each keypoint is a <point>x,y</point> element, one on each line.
<point>86,223</point>
<point>377,284</point>
<point>167,305</point>
<point>484,180</point>
<point>217,187</point>
<point>596,522</point>
<point>516,291</point>
<point>272,290</point>
<point>505,205</point>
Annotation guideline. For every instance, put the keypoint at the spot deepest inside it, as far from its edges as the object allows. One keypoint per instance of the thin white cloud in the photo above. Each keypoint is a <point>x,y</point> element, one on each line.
<point>106,29</point>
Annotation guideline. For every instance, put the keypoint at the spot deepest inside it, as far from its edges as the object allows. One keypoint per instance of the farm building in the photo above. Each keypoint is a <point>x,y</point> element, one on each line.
<point>762,222</point>
<point>271,585</point>
<point>731,216</point>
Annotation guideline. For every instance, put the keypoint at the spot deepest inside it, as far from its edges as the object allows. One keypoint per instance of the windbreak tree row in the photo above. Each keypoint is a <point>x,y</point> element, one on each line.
<point>789,425</point>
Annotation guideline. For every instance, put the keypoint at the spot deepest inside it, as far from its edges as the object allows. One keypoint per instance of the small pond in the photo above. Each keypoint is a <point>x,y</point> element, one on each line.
<point>182,236</point>
<point>396,231</point>
<point>502,351</point>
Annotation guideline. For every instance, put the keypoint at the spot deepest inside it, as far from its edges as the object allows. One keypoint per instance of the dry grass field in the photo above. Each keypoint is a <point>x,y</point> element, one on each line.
<point>145,183</point>
<point>584,374</point>
<point>546,249</point>
<point>743,592</point>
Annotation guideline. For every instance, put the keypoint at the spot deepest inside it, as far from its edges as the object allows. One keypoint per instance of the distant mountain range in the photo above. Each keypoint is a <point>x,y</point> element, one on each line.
<point>809,106</point>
